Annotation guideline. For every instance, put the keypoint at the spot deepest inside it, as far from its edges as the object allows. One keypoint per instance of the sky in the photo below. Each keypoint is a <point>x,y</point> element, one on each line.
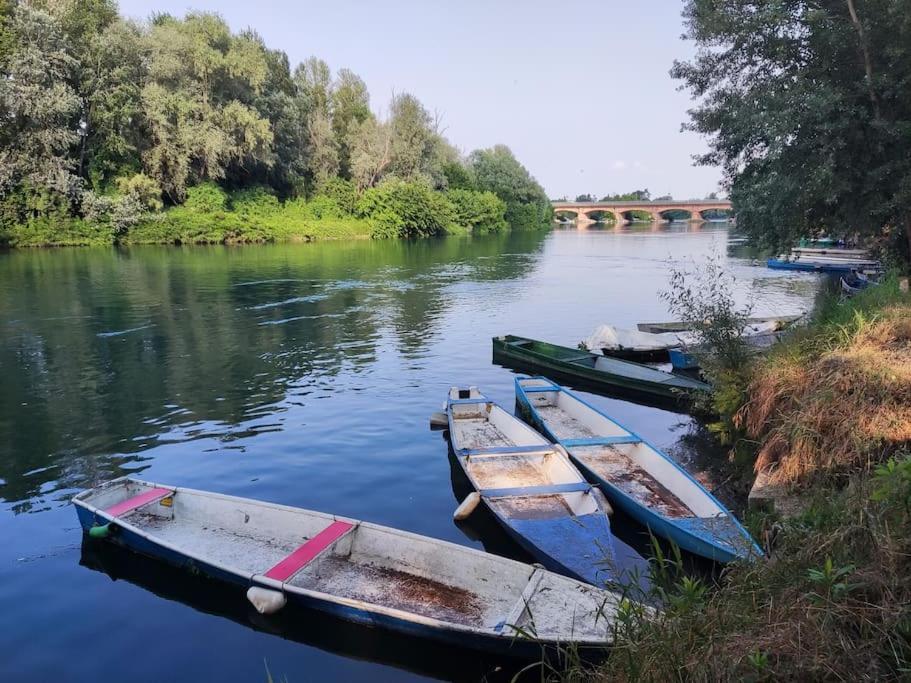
<point>579,90</point>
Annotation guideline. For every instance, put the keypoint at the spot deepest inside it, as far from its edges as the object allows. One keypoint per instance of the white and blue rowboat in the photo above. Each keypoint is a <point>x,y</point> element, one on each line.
<point>538,495</point>
<point>637,477</point>
<point>360,572</point>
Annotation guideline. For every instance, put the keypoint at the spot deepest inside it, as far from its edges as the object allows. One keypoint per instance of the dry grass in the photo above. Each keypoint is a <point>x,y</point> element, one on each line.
<point>836,402</point>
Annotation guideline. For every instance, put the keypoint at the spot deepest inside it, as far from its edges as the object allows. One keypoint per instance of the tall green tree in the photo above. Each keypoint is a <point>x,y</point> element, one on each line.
<point>497,170</point>
<point>350,106</point>
<point>38,106</point>
<point>198,102</point>
<point>807,108</point>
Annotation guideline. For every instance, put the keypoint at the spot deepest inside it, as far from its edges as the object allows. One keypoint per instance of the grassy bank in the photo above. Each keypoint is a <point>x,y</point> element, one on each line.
<point>210,215</point>
<point>828,412</point>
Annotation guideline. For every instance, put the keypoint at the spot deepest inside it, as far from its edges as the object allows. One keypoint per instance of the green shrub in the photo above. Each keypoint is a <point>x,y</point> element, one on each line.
<point>146,190</point>
<point>406,209</point>
<point>342,192</point>
<point>206,198</point>
<point>480,211</point>
<point>254,202</point>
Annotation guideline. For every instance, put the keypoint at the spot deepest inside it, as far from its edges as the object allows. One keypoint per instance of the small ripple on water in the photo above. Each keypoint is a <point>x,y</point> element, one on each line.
<point>118,333</point>
<point>288,302</point>
<point>267,282</point>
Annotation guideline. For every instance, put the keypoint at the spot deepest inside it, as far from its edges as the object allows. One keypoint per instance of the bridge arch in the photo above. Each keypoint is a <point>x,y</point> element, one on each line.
<point>565,215</point>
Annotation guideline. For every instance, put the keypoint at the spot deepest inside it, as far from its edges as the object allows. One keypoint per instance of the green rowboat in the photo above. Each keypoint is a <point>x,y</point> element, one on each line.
<point>602,373</point>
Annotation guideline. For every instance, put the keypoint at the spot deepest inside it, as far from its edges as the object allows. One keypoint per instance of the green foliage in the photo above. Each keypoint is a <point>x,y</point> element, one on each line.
<point>458,176</point>
<point>480,211</point>
<point>343,193</point>
<point>254,201</point>
<point>146,191</point>
<point>807,109</point>
<point>206,198</point>
<point>183,110</point>
<point>406,209</point>
<point>497,170</point>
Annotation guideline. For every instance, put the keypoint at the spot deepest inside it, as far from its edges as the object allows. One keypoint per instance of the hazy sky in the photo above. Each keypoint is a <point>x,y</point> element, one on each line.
<point>579,90</point>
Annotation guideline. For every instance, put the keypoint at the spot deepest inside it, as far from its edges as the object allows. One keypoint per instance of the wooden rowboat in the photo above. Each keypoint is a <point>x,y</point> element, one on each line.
<point>601,373</point>
<point>537,495</point>
<point>637,477</point>
<point>680,326</point>
<point>359,572</point>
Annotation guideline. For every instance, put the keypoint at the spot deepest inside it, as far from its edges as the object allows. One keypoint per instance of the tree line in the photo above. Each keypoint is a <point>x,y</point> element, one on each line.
<point>108,123</point>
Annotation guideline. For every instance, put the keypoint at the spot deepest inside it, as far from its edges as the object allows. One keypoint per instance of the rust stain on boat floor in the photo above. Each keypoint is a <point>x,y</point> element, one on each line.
<point>394,588</point>
<point>533,507</point>
<point>610,463</point>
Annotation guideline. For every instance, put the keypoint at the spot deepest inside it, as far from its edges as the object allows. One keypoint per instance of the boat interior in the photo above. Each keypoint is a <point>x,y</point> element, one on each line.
<point>485,427</point>
<point>482,424</point>
<point>633,466</point>
<point>384,567</point>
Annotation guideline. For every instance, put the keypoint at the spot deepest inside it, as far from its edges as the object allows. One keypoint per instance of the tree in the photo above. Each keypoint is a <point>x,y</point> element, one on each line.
<point>634,196</point>
<point>37,109</point>
<point>412,136</point>
<point>322,158</point>
<point>497,170</point>
<point>807,110</point>
<point>198,102</point>
<point>350,106</point>
<point>585,198</point>
<point>370,150</point>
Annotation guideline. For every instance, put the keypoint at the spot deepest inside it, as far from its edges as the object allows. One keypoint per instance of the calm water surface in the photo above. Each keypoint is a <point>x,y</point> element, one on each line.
<point>301,374</point>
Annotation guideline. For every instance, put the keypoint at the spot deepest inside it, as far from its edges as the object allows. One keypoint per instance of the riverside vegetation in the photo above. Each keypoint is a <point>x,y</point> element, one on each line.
<point>180,131</point>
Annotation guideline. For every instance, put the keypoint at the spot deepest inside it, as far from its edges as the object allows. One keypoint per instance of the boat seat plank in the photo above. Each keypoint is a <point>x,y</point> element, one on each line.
<point>467,401</point>
<point>149,496</point>
<point>514,617</point>
<point>537,490</point>
<point>535,390</point>
<point>502,450</point>
<point>601,440</point>
<point>305,554</point>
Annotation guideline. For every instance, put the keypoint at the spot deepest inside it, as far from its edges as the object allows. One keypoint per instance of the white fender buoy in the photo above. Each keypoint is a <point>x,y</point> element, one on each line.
<point>467,507</point>
<point>439,421</point>
<point>266,601</point>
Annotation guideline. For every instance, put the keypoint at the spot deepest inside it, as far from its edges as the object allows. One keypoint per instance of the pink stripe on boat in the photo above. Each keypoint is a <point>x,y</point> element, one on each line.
<point>143,498</point>
<point>299,559</point>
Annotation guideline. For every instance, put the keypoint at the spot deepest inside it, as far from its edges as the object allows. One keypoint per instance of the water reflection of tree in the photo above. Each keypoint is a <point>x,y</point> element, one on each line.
<point>206,361</point>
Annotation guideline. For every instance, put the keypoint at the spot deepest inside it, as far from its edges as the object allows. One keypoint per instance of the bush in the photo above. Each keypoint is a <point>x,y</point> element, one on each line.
<point>480,211</point>
<point>206,198</point>
<point>342,192</point>
<point>254,201</point>
<point>406,209</point>
<point>146,190</point>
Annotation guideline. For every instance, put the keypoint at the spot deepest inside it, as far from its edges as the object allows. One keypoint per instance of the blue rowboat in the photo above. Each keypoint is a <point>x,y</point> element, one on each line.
<point>819,267</point>
<point>537,495</point>
<point>637,477</point>
<point>355,571</point>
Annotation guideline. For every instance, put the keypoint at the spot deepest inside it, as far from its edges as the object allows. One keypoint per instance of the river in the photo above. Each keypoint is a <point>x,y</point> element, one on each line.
<point>301,374</point>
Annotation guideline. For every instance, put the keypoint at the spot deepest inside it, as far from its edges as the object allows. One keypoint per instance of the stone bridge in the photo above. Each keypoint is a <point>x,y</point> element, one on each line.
<point>658,210</point>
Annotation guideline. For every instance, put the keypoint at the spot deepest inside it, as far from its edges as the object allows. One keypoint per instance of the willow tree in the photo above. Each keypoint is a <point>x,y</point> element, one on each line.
<point>807,107</point>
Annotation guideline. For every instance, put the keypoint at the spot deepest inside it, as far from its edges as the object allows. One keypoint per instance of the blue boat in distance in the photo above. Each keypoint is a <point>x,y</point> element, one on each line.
<point>637,477</point>
<point>538,496</point>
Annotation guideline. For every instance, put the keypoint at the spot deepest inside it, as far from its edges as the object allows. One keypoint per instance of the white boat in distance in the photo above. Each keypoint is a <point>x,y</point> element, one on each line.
<point>361,572</point>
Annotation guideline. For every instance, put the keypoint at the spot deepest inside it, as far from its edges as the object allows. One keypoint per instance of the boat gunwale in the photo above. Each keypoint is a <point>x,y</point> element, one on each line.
<point>259,579</point>
<point>670,520</point>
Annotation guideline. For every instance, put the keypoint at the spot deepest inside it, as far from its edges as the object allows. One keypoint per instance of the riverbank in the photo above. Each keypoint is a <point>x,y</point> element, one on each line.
<point>828,415</point>
<point>212,216</point>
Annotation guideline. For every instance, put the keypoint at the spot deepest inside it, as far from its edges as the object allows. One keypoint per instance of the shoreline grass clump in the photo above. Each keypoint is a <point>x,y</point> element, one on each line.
<point>836,398</point>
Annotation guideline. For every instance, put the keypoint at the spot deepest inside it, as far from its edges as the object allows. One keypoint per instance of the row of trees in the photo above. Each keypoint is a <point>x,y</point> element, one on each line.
<point>635,196</point>
<point>104,117</point>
